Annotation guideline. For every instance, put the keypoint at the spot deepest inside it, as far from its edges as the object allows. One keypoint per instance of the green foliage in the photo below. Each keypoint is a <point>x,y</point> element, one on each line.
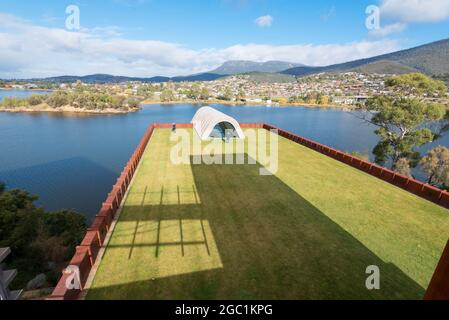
<point>436,165</point>
<point>204,94</point>
<point>58,99</point>
<point>402,166</point>
<point>361,155</point>
<point>403,125</point>
<point>418,84</point>
<point>84,98</point>
<point>133,103</point>
<point>227,94</point>
<point>167,95</point>
<point>36,99</point>
<point>67,225</point>
<point>194,92</point>
<point>296,99</point>
<point>12,103</point>
<point>37,239</point>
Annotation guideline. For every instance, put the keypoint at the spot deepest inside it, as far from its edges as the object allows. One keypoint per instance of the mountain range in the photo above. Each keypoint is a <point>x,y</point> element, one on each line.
<point>431,59</point>
<point>242,66</point>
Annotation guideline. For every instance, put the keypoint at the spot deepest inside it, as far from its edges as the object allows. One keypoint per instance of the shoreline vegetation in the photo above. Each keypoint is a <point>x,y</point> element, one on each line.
<point>105,104</point>
<point>99,106</point>
<point>71,102</point>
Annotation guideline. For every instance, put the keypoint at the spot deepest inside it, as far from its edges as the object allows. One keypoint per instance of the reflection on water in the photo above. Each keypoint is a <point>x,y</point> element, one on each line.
<point>34,145</point>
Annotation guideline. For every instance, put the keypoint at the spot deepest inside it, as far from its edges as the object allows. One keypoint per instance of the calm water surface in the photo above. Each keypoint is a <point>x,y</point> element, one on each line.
<point>71,161</point>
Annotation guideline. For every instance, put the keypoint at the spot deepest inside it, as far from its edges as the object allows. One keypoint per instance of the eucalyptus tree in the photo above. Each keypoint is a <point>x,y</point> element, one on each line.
<point>404,125</point>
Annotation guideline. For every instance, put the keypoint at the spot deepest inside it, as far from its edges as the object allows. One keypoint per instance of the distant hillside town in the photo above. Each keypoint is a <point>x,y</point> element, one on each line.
<point>324,89</point>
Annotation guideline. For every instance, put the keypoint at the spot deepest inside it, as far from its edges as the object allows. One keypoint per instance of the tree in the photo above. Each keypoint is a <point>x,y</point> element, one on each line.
<point>58,99</point>
<point>403,125</point>
<point>167,95</point>
<point>418,84</point>
<point>36,99</point>
<point>194,92</point>
<point>133,103</point>
<point>40,241</point>
<point>67,225</point>
<point>324,100</point>
<point>402,166</point>
<point>361,155</point>
<point>241,95</point>
<point>205,95</point>
<point>228,94</point>
<point>436,165</point>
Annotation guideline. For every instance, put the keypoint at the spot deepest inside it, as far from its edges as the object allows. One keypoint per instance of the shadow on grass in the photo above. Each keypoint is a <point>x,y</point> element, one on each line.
<point>273,244</point>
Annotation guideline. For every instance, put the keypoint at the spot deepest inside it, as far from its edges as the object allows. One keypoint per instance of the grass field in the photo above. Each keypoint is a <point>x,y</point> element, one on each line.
<point>308,232</point>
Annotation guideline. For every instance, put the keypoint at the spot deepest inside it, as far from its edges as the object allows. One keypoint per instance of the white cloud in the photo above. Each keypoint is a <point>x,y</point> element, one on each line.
<point>409,11</point>
<point>264,21</point>
<point>29,50</point>
<point>389,29</point>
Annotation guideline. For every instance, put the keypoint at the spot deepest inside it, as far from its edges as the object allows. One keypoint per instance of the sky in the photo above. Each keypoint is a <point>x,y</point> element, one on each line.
<point>144,38</point>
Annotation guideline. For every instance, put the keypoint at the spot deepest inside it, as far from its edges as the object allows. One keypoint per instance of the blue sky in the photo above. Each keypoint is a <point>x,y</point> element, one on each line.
<point>171,37</point>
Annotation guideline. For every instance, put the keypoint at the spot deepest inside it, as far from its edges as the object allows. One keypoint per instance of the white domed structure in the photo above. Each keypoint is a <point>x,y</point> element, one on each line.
<point>211,123</point>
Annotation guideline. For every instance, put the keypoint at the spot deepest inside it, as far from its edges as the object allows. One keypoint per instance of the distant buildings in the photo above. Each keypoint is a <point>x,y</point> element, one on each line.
<point>347,88</point>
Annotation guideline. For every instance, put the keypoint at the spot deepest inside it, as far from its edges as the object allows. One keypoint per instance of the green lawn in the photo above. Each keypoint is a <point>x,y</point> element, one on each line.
<point>309,232</point>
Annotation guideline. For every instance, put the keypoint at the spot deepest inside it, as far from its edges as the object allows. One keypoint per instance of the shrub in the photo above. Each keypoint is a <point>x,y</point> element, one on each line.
<point>36,99</point>
<point>133,103</point>
<point>40,241</point>
<point>11,103</point>
<point>58,99</point>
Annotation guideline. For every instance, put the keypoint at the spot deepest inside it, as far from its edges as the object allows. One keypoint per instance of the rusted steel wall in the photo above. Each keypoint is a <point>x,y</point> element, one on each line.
<point>87,252</point>
<point>439,285</point>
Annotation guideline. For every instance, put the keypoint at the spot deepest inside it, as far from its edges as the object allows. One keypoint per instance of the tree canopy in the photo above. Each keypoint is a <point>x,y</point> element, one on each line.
<point>436,165</point>
<point>167,95</point>
<point>404,125</point>
<point>40,242</point>
<point>418,84</point>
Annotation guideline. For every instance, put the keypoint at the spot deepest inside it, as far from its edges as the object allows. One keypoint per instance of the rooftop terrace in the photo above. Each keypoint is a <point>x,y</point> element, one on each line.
<point>308,232</point>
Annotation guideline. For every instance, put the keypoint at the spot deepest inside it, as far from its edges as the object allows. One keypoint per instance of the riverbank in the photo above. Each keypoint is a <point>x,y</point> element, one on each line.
<point>35,89</point>
<point>67,109</point>
<point>248,103</point>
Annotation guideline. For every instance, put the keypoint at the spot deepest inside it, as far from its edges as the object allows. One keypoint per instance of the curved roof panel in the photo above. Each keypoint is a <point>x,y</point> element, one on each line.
<point>207,118</point>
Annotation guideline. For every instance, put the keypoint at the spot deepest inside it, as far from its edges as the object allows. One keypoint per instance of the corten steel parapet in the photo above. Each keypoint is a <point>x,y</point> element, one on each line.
<point>83,261</point>
<point>86,254</point>
<point>100,226</point>
<point>61,292</point>
<point>92,243</point>
<point>439,285</point>
<point>444,201</point>
<point>401,181</point>
<point>106,214</point>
